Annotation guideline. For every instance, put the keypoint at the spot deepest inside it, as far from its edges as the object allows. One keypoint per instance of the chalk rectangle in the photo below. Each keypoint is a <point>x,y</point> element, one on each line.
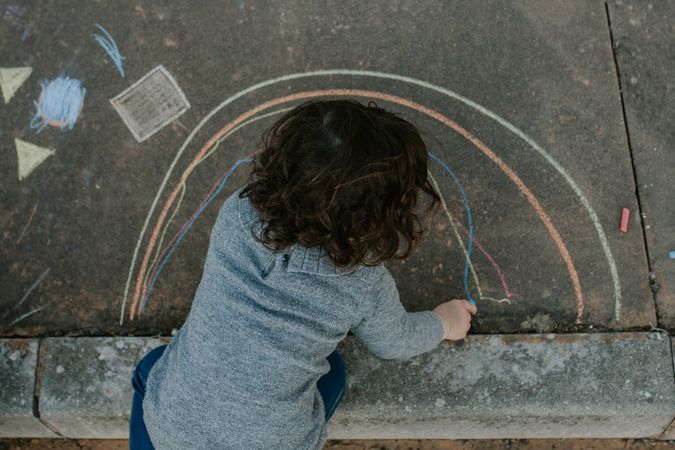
<point>151,103</point>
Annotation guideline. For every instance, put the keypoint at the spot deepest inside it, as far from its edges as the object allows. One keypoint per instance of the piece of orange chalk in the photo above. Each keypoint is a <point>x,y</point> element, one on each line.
<point>625,215</point>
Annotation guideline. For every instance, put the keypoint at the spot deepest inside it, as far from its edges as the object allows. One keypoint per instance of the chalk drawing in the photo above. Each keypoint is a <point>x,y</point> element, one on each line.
<point>469,218</point>
<point>30,156</point>
<point>151,103</point>
<point>147,285</point>
<point>11,79</point>
<point>454,223</point>
<point>29,313</point>
<point>500,273</point>
<point>168,251</point>
<point>152,275</point>
<point>110,46</point>
<point>25,227</point>
<point>404,79</point>
<point>187,226</point>
<point>166,228</point>
<point>30,289</point>
<point>376,95</point>
<point>153,264</point>
<point>59,104</point>
<point>374,74</point>
<point>184,178</point>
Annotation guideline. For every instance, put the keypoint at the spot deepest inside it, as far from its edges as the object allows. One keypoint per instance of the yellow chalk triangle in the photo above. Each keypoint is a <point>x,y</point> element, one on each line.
<point>30,156</point>
<point>11,79</point>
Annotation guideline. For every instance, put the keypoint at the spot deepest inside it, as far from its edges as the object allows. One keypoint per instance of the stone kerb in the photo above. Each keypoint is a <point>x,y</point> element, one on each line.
<point>670,432</point>
<point>489,386</point>
<point>512,386</point>
<point>86,387</point>
<point>18,361</point>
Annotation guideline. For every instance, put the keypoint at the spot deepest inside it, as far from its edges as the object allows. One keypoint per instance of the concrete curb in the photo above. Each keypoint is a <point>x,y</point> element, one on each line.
<point>18,363</point>
<point>85,390</point>
<point>618,385</point>
<point>513,386</point>
<point>670,432</point>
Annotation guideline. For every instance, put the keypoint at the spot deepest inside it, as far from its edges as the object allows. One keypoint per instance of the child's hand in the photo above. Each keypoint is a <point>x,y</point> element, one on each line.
<point>456,317</point>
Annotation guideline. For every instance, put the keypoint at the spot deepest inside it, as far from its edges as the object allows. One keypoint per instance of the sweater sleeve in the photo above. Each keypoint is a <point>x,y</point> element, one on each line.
<point>388,330</point>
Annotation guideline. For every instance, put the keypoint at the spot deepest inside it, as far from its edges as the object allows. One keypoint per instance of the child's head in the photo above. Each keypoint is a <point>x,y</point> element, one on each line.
<point>345,176</point>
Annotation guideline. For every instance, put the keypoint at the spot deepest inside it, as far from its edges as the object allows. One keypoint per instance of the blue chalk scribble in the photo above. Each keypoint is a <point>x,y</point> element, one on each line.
<point>59,104</point>
<point>469,218</point>
<point>108,43</point>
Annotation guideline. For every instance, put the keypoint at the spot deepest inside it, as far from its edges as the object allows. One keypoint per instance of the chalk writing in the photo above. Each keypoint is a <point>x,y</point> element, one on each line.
<point>59,104</point>
<point>151,103</point>
<point>110,46</point>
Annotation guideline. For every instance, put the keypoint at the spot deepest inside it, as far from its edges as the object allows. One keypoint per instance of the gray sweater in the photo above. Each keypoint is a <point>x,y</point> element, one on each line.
<point>242,371</point>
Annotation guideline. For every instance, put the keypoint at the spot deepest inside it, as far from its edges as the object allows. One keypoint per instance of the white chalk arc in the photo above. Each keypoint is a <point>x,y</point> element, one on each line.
<point>405,79</point>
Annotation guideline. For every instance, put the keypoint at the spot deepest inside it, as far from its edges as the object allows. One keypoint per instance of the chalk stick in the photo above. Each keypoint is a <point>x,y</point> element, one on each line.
<point>625,215</point>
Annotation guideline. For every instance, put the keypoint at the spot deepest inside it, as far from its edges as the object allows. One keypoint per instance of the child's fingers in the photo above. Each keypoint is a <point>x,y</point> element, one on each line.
<point>473,309</point>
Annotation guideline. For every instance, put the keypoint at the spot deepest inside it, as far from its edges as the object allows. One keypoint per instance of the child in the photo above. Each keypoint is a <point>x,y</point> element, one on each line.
<point>294,263</point>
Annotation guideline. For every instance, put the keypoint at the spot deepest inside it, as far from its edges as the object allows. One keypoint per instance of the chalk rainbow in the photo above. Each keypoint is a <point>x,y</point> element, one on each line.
<point>376,95</point>
<point>574,277</point>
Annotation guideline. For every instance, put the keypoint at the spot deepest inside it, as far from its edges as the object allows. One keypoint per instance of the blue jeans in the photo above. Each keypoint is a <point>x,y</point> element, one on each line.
<point>331,386</point>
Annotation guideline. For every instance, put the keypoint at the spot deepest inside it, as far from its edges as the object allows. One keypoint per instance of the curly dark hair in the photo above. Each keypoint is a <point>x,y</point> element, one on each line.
<point>344,176</point>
